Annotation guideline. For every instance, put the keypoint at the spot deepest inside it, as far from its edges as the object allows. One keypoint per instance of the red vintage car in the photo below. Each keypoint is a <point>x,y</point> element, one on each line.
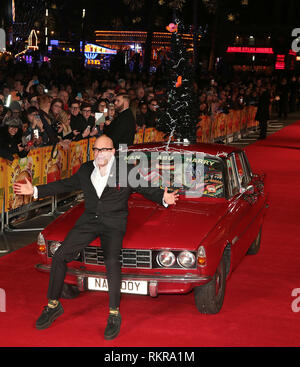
<point>193,246</point>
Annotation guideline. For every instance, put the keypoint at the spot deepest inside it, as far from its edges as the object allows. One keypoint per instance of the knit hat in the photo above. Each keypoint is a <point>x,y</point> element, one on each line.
<point>13,122</point>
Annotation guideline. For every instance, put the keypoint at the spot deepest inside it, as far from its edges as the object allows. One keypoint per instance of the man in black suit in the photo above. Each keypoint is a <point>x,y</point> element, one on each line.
<point>122,129</point>
<point>105,215</point>
<point>263,111</point>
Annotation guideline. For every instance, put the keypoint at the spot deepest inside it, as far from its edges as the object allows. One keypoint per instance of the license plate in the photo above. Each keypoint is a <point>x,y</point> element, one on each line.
<point>127,286</point>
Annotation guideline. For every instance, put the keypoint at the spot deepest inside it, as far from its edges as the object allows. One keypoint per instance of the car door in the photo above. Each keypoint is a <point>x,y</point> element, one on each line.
<point>244,209</point>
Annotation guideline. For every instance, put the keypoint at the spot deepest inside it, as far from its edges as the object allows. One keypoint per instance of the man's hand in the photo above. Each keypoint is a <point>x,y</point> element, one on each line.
<point>86,132</point>
<point>94,131</point>
<point>23,188</point>
<point>170,198</point>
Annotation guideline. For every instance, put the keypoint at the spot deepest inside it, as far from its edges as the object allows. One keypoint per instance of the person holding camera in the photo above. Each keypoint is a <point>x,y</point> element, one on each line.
<point>35,131</point>
<point>11,139</point>
<point>101,112</point>
<point>78,123</point>
<point>111,114</point>
<point>86,111</point>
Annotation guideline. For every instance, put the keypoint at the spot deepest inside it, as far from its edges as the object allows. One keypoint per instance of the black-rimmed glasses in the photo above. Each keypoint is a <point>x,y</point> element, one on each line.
<point>102,149</point>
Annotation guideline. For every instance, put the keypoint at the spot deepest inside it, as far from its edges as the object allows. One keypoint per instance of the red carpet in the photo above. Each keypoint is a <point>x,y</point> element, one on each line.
<point>257,308</point>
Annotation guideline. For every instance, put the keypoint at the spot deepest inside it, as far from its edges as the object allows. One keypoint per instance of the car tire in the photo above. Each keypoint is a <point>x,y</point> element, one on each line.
<point>69,291</point>
<point>255,246</point>
<point>209,297</point>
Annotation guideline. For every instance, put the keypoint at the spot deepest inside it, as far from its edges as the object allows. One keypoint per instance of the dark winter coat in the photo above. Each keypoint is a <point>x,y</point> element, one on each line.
<point>78,123</point>
<point>263,110</point>
<point>122,129</point>
<point>9,144</point>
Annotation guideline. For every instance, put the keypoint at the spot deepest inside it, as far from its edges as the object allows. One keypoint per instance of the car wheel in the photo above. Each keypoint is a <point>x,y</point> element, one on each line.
<point>69,291</point>
<point>255,246</point>
<point>209,297</point>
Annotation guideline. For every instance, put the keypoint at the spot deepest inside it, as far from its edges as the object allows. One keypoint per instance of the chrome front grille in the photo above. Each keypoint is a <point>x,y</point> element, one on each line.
<point>129,258</point>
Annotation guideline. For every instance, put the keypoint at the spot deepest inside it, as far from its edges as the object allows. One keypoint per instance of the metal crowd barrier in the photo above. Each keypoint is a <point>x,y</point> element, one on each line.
<point>2,233</point>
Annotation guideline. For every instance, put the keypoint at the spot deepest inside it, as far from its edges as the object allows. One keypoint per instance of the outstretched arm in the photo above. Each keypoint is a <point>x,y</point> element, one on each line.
<point>53,188</point>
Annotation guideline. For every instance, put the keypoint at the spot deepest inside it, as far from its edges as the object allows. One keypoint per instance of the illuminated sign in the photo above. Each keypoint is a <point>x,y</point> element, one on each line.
<point>13,11</point>
<point>91,51</point>
<point>93,62</point>
<point>33,40</point>
<point>250,50</point>
<point>280,62</point>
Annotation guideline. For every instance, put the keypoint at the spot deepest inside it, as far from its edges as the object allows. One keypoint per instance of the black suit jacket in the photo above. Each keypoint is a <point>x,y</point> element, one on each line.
<point>263,113</point>
<point>122,129</point>
<point>112,206</point>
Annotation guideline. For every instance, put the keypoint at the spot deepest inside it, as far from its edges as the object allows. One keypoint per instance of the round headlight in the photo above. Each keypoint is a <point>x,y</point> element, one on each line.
<point>186,259</point>
<point>166,258</point>
<point>54,246</point>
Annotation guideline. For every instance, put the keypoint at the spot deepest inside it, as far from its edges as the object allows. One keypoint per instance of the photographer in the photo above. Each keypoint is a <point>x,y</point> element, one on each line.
<point>11,139</point>
<point>101,113</point>
<point>35,132</point>
<point>108,119</point>
<point>86,111</point>
<point>79,125</point>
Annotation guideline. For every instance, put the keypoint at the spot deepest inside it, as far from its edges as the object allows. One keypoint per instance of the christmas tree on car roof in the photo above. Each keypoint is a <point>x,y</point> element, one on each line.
<point>179,118</point>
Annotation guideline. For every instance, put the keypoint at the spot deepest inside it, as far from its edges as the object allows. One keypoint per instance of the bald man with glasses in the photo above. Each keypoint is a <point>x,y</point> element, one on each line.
<point>105,216</point>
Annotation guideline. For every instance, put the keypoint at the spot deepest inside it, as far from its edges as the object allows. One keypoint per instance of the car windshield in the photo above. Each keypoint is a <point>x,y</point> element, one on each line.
<point>194,174</point>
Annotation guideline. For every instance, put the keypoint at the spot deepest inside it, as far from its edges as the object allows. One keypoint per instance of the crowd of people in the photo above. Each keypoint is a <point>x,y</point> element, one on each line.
<point>41,106</point>
<point>44,107</point>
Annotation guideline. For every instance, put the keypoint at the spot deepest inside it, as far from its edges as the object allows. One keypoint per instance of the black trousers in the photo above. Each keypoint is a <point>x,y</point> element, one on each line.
<point>283,108</point>
<point>263,126</point>
<point>76,240</point>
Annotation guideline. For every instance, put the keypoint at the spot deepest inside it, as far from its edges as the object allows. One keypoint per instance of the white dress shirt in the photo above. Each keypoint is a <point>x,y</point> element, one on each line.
<point>99,182</point>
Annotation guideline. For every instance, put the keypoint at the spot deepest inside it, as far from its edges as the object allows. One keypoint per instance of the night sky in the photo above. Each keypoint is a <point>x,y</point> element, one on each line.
<point>259,17</point>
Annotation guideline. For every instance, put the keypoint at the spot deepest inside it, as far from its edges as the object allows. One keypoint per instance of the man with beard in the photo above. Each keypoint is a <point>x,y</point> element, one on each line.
<point>105,216</point>
<point>122,128</point>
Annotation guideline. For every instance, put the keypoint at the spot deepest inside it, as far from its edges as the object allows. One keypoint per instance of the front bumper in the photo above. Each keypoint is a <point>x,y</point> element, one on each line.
<point>186,281</point>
